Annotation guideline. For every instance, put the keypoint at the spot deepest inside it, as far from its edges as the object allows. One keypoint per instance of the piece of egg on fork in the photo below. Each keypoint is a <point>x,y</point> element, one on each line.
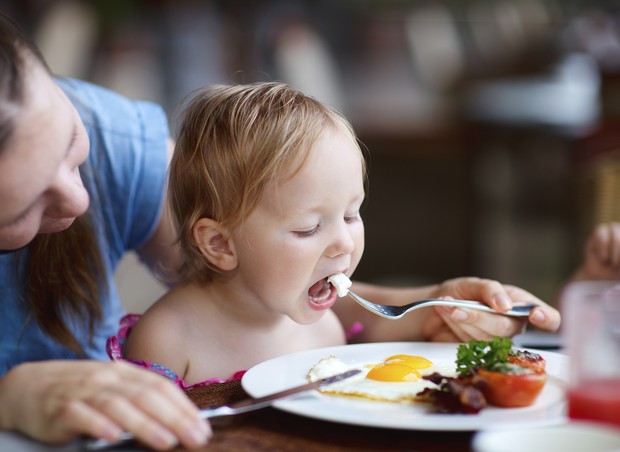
<point>341,282</point>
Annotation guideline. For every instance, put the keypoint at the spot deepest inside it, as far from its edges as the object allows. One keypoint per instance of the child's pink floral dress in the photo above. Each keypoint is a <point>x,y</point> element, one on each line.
<point>115,348</point>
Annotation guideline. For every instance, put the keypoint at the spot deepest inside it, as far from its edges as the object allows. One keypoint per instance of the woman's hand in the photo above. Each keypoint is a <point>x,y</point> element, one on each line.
<point>441,323</point>
<point>57,401</point>
<point>456,324</point>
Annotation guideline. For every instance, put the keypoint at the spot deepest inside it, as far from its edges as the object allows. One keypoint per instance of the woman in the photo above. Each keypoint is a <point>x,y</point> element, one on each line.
<point>82,176</point>
<point>60,255</point>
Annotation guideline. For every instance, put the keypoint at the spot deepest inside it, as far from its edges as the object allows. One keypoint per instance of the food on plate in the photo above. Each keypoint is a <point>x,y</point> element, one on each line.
<point>453,395</point>
<point>507,377</point>
<point>504,377</point>
<point>484,373</point>
<point>341,282</point>
<point>481,354</point>
<point>527,359</point>
<point>397,378</point>
<point>510,387</point>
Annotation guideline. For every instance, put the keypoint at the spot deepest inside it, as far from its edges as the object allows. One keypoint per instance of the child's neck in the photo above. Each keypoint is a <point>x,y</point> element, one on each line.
<point>240,307</point>
<point>236,336</point>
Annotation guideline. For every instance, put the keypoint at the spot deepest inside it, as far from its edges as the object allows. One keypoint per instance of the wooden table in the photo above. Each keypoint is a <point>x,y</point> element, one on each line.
<point>274,430</point>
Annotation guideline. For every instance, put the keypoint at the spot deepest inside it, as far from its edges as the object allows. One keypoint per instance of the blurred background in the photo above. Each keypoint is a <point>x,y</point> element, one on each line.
<point>491,125</point>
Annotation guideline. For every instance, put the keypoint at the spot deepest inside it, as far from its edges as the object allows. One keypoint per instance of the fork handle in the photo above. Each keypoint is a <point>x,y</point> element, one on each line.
<point>515,311</point>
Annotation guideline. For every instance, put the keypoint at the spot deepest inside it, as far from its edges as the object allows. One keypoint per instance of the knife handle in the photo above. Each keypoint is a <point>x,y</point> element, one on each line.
<point>207,413</point>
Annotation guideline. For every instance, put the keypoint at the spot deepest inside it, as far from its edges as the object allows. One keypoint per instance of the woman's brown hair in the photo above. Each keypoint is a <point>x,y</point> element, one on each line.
<point>64,271</point>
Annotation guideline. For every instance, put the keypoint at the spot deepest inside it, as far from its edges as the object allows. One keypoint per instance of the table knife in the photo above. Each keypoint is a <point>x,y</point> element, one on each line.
<point>243,406</point>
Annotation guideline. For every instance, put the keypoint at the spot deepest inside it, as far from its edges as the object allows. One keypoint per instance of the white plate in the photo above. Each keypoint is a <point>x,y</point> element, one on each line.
<point>570,437</point>
<point>291,370</point>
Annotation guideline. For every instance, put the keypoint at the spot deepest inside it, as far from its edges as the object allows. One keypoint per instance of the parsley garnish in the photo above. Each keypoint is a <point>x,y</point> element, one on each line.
<point>482,354</point>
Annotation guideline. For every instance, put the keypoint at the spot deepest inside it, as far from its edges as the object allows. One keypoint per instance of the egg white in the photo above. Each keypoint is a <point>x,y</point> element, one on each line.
<point>362,387</point>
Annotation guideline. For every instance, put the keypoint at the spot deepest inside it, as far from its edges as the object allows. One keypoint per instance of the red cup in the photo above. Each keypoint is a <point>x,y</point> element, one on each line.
<point>591,316</point>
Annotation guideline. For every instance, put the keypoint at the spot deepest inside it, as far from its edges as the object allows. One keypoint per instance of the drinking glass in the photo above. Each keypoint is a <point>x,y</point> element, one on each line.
<point>591,316</point>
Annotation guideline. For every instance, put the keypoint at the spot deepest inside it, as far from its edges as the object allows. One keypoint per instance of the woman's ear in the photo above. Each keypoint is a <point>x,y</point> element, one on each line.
<point>215,243</point>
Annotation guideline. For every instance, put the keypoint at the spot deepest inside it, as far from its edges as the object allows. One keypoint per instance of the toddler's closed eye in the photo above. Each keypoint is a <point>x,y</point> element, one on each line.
<point>353,218</point>
<point>308,233</point>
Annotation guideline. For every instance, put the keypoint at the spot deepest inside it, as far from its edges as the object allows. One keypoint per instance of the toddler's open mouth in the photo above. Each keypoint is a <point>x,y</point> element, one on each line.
<point>322,294</point>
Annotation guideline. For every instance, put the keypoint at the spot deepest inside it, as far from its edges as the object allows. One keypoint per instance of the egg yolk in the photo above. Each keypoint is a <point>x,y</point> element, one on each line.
<point>399,368</point>
<point>416,362</point>
<point>393,372</point>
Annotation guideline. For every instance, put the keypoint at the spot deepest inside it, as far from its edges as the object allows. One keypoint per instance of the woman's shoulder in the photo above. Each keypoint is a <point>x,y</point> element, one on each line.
<point>111,111</point>
<point>125,173</point>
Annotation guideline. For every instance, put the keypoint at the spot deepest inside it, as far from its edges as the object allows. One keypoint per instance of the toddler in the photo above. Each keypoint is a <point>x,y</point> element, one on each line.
<point>266,186</point>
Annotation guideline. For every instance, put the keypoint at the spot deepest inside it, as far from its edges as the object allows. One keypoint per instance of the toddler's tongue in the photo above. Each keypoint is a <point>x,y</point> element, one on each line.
<point>319,289</point>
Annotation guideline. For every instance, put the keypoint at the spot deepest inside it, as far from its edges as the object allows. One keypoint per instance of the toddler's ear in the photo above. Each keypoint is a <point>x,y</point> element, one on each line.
<point>214,242</point>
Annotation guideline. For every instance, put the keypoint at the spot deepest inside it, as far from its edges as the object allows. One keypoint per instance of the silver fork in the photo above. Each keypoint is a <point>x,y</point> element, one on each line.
<point>396,312</point>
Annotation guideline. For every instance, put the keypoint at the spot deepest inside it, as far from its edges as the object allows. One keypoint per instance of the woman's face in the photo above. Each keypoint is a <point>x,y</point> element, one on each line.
<point>41,190</point>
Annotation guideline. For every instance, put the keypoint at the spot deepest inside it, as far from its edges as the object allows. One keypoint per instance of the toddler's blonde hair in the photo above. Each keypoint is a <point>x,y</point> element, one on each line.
<point>233,140</point>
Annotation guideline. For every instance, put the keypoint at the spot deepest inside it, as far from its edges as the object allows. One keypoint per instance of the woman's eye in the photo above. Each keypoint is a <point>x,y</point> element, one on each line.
<point>352,219</point>
<point>308,233</point>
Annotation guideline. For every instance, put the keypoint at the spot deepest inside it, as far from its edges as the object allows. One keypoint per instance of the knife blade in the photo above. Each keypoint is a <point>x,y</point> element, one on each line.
<point>243,406</point>
<point>251,404</point>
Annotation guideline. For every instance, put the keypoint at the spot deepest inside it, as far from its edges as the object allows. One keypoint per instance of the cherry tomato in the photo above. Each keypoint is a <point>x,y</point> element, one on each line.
<point>526,359</point>
<point>510,390</point>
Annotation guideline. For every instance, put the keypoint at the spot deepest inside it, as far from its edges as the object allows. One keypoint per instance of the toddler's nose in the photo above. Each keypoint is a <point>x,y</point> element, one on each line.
<point>343,242</point>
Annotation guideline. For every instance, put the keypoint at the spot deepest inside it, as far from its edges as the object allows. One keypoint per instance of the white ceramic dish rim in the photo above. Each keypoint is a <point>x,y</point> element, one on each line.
<point>290,370</point>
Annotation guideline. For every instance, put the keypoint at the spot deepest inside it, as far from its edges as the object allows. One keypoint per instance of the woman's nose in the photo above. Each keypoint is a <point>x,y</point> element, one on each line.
<point>69,196</point>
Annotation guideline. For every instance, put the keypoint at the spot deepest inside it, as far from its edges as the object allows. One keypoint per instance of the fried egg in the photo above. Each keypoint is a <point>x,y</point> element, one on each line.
<point>398,378</point>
